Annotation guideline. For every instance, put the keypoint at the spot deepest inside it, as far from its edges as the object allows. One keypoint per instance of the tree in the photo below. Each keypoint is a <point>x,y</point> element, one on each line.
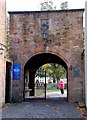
<point>64,5</point>
<point>53,70</point>
<point>58,71</point>
<point>48,5</point>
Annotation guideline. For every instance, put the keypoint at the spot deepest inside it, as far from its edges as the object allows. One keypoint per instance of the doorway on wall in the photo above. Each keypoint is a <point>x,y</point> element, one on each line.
<point>8,83</point>
<point>35,84</point>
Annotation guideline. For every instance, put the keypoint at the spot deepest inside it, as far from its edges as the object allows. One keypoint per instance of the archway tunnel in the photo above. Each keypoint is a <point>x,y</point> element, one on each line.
<point>34,64</point>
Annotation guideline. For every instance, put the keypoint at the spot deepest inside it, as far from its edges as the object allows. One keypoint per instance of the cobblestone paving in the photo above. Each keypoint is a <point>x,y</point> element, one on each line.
<point>40,108</point>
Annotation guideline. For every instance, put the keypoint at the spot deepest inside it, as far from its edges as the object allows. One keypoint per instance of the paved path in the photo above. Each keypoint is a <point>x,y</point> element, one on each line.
<point>50,95</point>
<point>40,108</point>
<point>56,94</point>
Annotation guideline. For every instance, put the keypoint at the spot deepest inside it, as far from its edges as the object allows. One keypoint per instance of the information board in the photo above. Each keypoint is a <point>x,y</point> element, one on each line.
<point>16,71</point>
<point>76,72</point>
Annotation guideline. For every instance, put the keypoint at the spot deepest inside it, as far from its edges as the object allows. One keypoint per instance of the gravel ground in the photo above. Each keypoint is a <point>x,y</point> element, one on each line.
<point>40,108</point>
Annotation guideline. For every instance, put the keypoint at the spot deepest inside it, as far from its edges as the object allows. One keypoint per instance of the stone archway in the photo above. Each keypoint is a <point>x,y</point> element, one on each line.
<point>37,61</point>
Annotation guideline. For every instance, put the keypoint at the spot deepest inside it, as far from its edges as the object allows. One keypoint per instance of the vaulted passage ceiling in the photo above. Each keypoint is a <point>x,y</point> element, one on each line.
<point>38,60</point>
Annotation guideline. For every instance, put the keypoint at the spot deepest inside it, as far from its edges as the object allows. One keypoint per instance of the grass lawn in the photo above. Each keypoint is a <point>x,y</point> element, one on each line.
<point>40,92</point>
<point>49,88</point>
<point>52,90</point>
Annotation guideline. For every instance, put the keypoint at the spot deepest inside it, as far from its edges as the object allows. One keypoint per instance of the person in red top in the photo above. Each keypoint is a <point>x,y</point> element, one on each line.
<point>61,86</point>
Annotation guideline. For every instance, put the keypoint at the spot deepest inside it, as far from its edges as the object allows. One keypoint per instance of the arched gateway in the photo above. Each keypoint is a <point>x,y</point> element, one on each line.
<point>36,62</point>
<point>41,37</point>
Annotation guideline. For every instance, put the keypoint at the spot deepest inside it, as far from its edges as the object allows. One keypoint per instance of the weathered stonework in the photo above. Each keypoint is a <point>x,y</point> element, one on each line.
<point>85,53</point>
<point>2,50</point>
<point>64,40</point>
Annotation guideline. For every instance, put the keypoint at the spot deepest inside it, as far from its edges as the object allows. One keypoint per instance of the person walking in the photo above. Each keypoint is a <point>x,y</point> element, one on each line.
<point>61,86</point>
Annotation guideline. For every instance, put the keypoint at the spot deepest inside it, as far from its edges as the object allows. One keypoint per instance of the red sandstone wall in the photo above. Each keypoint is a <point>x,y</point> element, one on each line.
<point>64,40</point>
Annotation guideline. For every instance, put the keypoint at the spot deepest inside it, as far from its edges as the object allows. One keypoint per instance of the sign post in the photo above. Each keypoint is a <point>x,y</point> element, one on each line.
<point>45,85</point>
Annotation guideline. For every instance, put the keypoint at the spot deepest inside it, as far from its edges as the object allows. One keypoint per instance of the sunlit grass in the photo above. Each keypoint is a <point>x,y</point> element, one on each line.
<point>40,92</point>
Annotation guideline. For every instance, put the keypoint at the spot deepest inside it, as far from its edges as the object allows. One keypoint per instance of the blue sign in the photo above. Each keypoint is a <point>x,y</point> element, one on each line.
<point>16,71</point>
<point>76,72</point>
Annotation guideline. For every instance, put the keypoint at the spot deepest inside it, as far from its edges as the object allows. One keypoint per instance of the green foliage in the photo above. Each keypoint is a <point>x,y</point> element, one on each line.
<point>58,71</point>
<point>48,5</point>
<point>64,5</point>
<point>53,70</point>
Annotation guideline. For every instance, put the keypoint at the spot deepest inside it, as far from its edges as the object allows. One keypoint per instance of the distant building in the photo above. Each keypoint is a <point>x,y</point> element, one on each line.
<point>42,79</point>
